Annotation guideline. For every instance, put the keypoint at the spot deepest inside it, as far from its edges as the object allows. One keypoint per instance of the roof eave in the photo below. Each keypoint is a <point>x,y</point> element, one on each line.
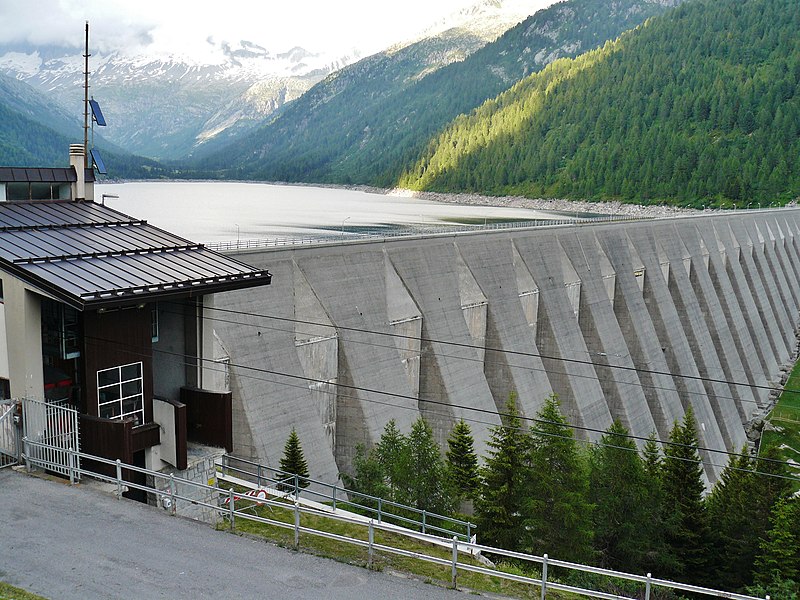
<point>188,291</point>
<point>127,298</point>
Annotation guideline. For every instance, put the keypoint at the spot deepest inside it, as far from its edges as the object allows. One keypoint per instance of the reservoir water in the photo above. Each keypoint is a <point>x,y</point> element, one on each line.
<point>221,211</point>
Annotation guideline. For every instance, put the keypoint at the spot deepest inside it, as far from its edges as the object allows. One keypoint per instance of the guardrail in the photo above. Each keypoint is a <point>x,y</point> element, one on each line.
<point>232,514</point>
<point>346,236</point>
<point>383,510</point>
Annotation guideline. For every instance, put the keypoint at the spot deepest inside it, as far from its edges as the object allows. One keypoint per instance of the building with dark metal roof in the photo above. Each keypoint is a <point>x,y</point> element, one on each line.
<point>108,315</point>
<point>91,256</point>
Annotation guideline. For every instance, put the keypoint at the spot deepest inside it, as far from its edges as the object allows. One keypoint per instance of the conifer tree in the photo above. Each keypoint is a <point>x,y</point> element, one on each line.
<point>779,558</point>
<point>659,557</point>
<point>652,459</point>
<point>462,462</point>
<point>687,529</point>
<point>773,484</point>
<point>733,505</point>
<point>618,491</point>
<point>392,454</point>
<point>424,478</point>
<point>498,509</point>
<point>557,512</point>
<point>368,476</point>
<point>293,462</point>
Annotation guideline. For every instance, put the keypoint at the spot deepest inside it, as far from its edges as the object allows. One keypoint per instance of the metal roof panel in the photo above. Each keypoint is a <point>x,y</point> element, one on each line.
<point>89,254</point>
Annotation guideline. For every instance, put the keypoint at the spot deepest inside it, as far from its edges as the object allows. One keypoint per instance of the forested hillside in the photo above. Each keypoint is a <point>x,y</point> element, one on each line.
<point>698,106</point>
<point>26,143</point>
<point>363,124</point>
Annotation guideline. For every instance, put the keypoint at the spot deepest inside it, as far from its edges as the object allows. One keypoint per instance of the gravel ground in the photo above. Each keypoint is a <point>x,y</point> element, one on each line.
<point>78,543</point>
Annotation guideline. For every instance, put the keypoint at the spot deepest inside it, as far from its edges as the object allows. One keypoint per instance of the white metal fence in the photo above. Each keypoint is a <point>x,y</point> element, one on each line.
<point>337,497</point>
<point>165,490</point>
<point>9,434</point>
<point>54,428</point>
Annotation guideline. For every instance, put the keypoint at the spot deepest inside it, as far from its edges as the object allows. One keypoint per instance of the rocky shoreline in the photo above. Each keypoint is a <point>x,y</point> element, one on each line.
<point>544,204</point>
<point>554,205</point>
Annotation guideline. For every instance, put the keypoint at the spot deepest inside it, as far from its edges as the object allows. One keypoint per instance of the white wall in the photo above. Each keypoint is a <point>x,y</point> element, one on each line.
<point>4,374</point>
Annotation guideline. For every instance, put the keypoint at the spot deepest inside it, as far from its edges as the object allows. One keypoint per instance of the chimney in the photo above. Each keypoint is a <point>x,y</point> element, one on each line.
<point>77,160</point>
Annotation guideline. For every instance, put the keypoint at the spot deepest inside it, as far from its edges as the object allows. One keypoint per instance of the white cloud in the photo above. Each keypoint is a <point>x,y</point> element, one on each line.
<point>185,25</point>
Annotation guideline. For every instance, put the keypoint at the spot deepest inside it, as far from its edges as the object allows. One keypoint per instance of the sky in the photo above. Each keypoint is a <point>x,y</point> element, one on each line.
<point>188,26</point>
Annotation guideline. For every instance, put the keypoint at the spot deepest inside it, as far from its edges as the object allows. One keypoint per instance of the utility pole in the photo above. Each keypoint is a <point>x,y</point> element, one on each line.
<point>86,97</point>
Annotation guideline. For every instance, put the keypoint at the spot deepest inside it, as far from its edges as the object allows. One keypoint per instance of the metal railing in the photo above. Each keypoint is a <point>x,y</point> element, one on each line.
<point>228,510</point>
<point>9,434</point>
<point>56,427</point>
<point>337,236</point>
<point>371,506</point>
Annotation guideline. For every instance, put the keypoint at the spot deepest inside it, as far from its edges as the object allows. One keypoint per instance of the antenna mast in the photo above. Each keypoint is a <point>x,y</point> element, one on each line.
<point>86,56</point>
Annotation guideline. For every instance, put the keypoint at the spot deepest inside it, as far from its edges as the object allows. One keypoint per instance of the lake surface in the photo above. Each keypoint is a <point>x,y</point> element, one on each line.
<point>223,211</point>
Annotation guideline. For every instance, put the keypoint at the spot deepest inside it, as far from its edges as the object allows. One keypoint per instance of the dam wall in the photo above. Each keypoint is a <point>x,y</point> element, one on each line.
<point>635,321</point>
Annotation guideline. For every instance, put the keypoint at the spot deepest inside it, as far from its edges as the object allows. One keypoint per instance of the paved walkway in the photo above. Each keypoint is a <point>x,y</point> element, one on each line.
<point>77,543</point>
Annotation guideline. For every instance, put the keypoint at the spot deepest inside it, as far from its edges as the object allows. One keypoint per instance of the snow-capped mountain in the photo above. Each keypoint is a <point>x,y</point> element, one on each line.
<point>165,107</point>
<point>487,19</point>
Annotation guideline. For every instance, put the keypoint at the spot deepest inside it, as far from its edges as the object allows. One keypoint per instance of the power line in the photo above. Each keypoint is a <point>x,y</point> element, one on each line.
<point>520,417</point>
<point>192,361</point>
<point>634,368</point>
<point>434,402</point>
<point>638,383</point>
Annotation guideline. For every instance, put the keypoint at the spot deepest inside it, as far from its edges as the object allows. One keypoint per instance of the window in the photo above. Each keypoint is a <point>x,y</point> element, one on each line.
<point>60,330</point>
<point>120,393</point>
<point>154,324</point>
<point>1,291</point>
<point>5,389</point>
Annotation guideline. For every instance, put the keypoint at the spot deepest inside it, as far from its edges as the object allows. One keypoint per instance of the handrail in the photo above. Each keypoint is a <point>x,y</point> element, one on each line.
<point>342,236</point>
<point>383,233</point>
<point>9,434</point>
<point>339,495</point>
<point>230,511</point>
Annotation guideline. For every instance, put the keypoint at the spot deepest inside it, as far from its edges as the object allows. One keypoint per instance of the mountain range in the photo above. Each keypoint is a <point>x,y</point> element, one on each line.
<point>169,107</point>
<point>699,107</point>
<point>364,122</point>
<point>689,102</point>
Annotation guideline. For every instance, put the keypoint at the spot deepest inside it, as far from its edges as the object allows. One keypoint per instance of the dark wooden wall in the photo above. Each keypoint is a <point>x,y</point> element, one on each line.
<point>115,338</point>
<point>209,417</point>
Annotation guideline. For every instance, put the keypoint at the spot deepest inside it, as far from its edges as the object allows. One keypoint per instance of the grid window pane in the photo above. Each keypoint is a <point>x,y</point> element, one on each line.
<point>108,394</point>
<point>110,411</point>
<point>131,372</point>
<point>107,377</point>
<point>120,393</point>
<point>131,388</point>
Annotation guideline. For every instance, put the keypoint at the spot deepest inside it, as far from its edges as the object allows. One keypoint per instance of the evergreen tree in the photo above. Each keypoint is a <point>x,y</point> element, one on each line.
<point>293,462</point>
<point>652,459</point>
<point>424,477</point>
<point>779,557</point>
<point>367,478</point>
<point>773,484</point>
<point>734,508</point>
<point>392,454</point>
<point>659,557</point>
<point>462,462</point>
<point>618,491</point>
<point>557,512</point>
<point>687,529</point>
<point>498,509</point>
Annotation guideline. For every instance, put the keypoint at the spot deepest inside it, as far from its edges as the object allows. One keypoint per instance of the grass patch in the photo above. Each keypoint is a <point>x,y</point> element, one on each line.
<point>9,592</point>
<point>785,418</point>
<point>356,555</point>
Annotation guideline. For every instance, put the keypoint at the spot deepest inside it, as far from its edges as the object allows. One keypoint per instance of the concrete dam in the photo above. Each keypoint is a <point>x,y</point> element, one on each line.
<point>629,320</point>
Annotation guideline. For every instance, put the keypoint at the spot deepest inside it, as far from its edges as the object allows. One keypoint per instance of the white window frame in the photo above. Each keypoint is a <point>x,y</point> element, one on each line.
<point>120,390</point>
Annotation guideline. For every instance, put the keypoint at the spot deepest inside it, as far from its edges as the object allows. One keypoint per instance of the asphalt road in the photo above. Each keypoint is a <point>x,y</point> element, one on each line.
<point>78,543</point>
